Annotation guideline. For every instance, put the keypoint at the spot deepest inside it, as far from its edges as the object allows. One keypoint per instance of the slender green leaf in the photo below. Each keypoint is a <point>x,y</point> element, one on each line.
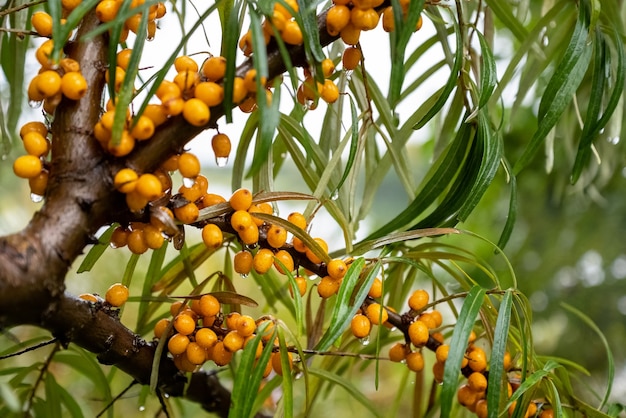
<point>53,398</point>
<point>354,144</point>
<point>512,212</point>
<point>307,19</point>
<point>563,84</point>
<point>285,363</point>
<point>97,250</point>
<point>70,403</point>
<point>488,76</point>
<point>460,334</point>
<point>496,363</point>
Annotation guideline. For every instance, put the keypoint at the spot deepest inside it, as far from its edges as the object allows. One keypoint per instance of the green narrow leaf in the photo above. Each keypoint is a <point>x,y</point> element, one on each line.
<point>512,213</point>
<point>16,47</point>
<point>53,398</point>
<point>450,84</point>
<point>354,392</point>
<point>555,399</point>
<point>496,363</point>
<point>269,119</point>
<point>308,22</point>
<point>488,76</point>
<point>458,344</point>
<point>70,403</point>
<point>609,355</point>
<point>561,87</point>
<point>287,397</point>
<point>230,37</point>
<point>504,13</point>
<point>354,144</point>
<point>532,380</point>
<point>347,304</point>
<point>96,251</point>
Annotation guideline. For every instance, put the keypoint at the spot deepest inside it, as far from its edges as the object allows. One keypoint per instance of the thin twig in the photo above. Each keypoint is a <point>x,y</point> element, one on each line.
<point>31,348</point>
<point>117,397</point>
<point>21,7</point>
<point>42,373</point>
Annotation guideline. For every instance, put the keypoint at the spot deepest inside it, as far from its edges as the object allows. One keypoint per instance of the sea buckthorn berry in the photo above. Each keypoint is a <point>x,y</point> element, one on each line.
<point>250,80</point>
<point>438,368</point>
<point>286,12</point>
<point>153,236</point>
<point>245,43</point>
<point>102,134</point>
<point>240,220</point>
<point>389,25</point>
<point>419,23</point>
<point>241,199</point>
<point>209,305</point>
<point>186,81</point>
<point>477,381</point>
<point>34,95</point>
<point>38,127</point>
<point>336,269</point>
<point>429,320</point>
<point>123,58</point>
<point>49,83</point>
<point>149,186</point>
<point>285,258</point>
<point>73,85</point>
<point>168,89</point>
<point>160,327</point>
<point>242,262</point>
<point>136,242</point>
<point>466,396</point>
<point>119,237</point>
<point>143,128</point>
<point>248,105</point>
<point>231,320</point>
<point>330,92</point>
<point>178,344</point>
<point>442,353</point>
<point>337,18</point>
<point>328,67</point>
<point>42,23</point>
<point>135,201</point>
<point>350,34</point>
<point>418,300</point>
<point>415,361</point>
<point>268,327</point>
<point>418,333</point>
<point>302,285</point>
<point>206,337</point>
<point>250,235</point>
<point>481,408</point>
<point>196,112</point>
<point>376,314</point>
<point>88,297</point>
<point>195,353</point>
<point>263,260</point>
<point>106,10</point>
<point>172,106</point>
<point>177,307</point>
<point>212,94</point>
<point>116,295</point>
<point>185,63</point>
<point>221,145</point>
<point>472,337</point>
<point>214,68</point>
<point>39,183</point>
<point>69,65</point>
<point>291,33</point>
<point>351,58</point>
<point>328,287</point>
<point>208,321</point>
<point>125,180</point>
<point>233,341</point>
<point>120,74</point>
<point>43,53</point>
<point>27,166</point>
<point>123,146</point>
<point>477,360</point>
<point>277,364</point>
<point>507,361</point>
<point>184,324</point>
<point>436,318</point>
<point>398,352</point>
<point>546,413</point>
<point>276,236</point>
<point>297,219</point>
<point>36,144</point>
<point>239,90</point>
<point>188,165</point>
<point>212,236</point>
<point>314,258</point>
<point>245,325</point>
<point>376,290</point>
<point>364,19</point>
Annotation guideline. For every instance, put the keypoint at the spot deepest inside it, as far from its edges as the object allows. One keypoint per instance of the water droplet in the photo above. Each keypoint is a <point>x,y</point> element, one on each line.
<point>150,38</point>
<point>166,395</point>
<point>298,375</point>
<point>365,341</point>
<point>614,140</point>
<point>601,131</point>
<point>392,329</point>
<point>335,195</point>
<point>33,104</point>
<point>188,182</point>
<point>545,41</point>
<point>221,161</point>
<point>36,198</point>
<point>142,408</point>
<point>403,361</point>
<point>349,74</point>
<point>4,157</point>
<point>243,276</point>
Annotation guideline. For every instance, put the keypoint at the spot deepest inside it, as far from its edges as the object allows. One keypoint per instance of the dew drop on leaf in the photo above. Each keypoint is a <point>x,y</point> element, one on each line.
<point>221,161</point>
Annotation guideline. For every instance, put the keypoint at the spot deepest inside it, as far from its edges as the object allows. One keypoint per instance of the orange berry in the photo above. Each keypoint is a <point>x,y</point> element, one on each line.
<point>178,344</point>
<point>160,327</point>
<point>350,34</point>
<point>250,80</point>
<point>336,269</point>
<point>481,408</point>
<point>143,128</point>
<point>73,85</point>
<point>209,305</point>
<point>285,259</point>
<point>239,90</point>
<point>188,165</point>
<point>302,285</point>
<point>212,236</point>
<point>149,186</point>
<point>212,94</point>
<point>186,81</point>
<point>240,220</point>
<point>398,352</point>
<point>292,34</point>
<point>360,326</point>
<point>276,236</point>
<point>418,300</point>
<point>277,364</point>
<point>153,237</point>
<point>330,92</point>
<point>39,183</point>
<point>364,19</point>
<point>477,359</point>
<point>466,396</point>
<point>195,353</point>
<point>221,145</point>
<point>328,287</point>
<point>377,314</point>
<point>415,361</point>
<point>116,295</point>
<point>337,17</point>
<point>314,257</point>
<point>49,83</point>
<point>185,63</point>
<point>287,12</point>
<point>418,333</point>
<point>27,166</point>
<point>136,241</point>
<point>36,144</point>
<point>125,180</point>
<point>233,341</point>
<point>477,381</point>
<point>37,127</point>
<point>206,337</point>
<point>438,368</point>
<point>168,89</point>
<point>263,260</point>
<point>245,325</point>
<point>184,324</point>
<point>297,219</point>
<point>196,112</point>
<point>442,353</point>
<point>351,58</point>
<point>231,320</point>
<point>242,262</point>
<point>241,199</point>
<point>123,146</point>
<point>42,23</point>
<point>214,68</point>
<point>376,290</point>
<point>220,355</point>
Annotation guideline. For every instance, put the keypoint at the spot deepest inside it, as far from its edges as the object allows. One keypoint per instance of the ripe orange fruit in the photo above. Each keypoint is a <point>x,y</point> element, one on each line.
<point>337,17</point>
<point>263,260</point>
<point>73,85</point>
<point>328,287</point>
<point>398,352</point>
<point>36,144</point>
<point>415,361</point>
<point>214,68</point>
<point>418,300</point>
<point>196,112</point>
<point>116,295</point>
<point>241,199</point>
<point>149,186</point>
<point>377,314</point>
<point>418,333</point>
<point>351,58</point>
<point>42,23</point>
<point>27,166</point>
<point>360,326</point>
<point>212,236</point>
<point>211,93</point>
<point>221,145</point>
<point>125,180</point>
<point>49,83</point>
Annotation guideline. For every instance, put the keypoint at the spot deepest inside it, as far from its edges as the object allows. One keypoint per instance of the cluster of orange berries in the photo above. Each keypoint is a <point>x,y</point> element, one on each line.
<point>217,339</point>
<point>347,18</point>
<point>311,90</point>
<point>107,11</point>
<point>116,295</point>
<point>281,21</point>
<point>31,166</point>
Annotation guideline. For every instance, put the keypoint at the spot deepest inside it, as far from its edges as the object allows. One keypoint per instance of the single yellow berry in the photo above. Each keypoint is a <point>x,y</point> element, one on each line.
<point>377,314</point>
<point>188,165</point>
<point>27,166</point>
<point>263,260</point>
<point>418,300</point>
<point>117,294</point>
<point>178,344</point>
<point>214,68</point>
<point>73,85</point>
<point>360,326</point>
<point>241,199</point>
<point>212,236</point>
<point>398,352</point>
<point>415,361</point>
<point>209,305</point>
<point>206,337</point>
<point>336,269</point>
